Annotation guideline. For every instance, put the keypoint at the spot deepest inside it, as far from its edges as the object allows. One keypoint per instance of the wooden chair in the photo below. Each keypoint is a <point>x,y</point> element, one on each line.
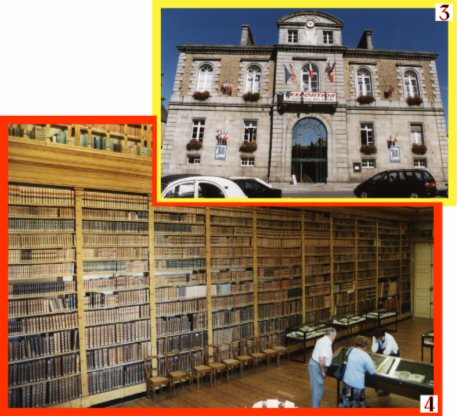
<point>200,367</point>
<point>174,362</point>
<point>276,344</point>
<point>225,351</point>
<point>153,380</point>
<point>240,352</point>
<point>265,347</point>
<point>215,362</point>
<point>253,348</point>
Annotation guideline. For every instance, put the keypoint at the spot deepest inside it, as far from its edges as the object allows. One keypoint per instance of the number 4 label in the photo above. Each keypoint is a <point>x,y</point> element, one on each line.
<point>429,404</point>
<point>444,12</point>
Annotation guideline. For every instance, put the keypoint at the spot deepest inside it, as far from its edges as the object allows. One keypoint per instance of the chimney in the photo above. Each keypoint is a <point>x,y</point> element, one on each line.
<point>246,36</point>
<point>366,41</point>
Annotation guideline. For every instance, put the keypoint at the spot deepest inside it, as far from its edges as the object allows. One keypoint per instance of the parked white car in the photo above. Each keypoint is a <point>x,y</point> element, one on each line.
<point>183,186</point>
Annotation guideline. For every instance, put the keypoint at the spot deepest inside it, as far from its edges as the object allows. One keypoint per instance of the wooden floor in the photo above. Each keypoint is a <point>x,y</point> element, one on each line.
<point>289,381</point>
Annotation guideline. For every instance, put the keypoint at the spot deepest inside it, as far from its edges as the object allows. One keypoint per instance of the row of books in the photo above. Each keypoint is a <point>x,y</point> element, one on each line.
<point>180,292</point>
<point>42,306</point>
<point>182,342</point>
<point>366,306</point>
<point>123,332</point>
<point>347,286</point>
<point>231,251</point>
<point>46,240</point>
<point>181,361</point>
<point>279,225</point>
<point>181,307</point>
<point>90,240</point>
<point>225,241</point>
<point>317,316</point>
<point>235,220</point>
<point>36,195</point>
<point>107,214</point>
<point>279,324</point>
<point>115,378</point>
<point>181,228</point>
<point>25,225</point>
<point>342,310</point>
<point>277,295</point>
<point>121,129</point>
<point>123,281</point>
<point>229,288</point>
<point>181,264</point>
<point>115,226</point>
<point>127,313</point>
<point>37,211</point>
<point>366,294</point>
<point>230,231</point>
<point>116,266</point>
<point>179,240</point>
<point>349,258</point>
<point>179,279</point>
<point>279,284</point>
<point>278,262</point>
<point>317,290</point>
<point>234,262</point>
<point>232,317</point>
<point>367,280</point>
<point>123,354</point>
<point>42,345</point>
<point>320,279</point>
<point>231,275</point>
<point>50,323</point>
<point>280,309</point>
<point>178,217</point>
<point>45,394</point>
<point>233,301</point>
<point>40,270</point>
<point>51,255</point>
<point>44,369</point>
<point>108,200</point>
<point>47,288</point>
<point>318,302</point>
<point>183,252</point>
<point>179,324</point>
<point>284,272</point>
<point>387,288</point>
<point>242,331</point>
<point>98,300</point>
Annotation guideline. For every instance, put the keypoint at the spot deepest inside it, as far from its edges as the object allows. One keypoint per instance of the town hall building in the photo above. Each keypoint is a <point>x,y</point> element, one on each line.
<point>307,108</point>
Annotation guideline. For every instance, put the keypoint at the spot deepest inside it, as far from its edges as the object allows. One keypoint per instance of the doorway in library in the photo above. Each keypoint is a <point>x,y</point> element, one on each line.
<point>309,151</point>
<point>423,280</point>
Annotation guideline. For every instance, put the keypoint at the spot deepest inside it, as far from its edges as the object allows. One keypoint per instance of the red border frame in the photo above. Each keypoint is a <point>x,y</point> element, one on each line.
<point>438,279</point>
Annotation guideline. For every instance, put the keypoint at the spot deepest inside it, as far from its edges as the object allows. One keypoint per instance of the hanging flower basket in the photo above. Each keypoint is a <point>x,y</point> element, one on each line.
<point>416,100</point>
<point>194,144</point>
<point>419,149</point>
<point>368,149</point>
<point>251,96</point>
<point>201,95</point>
<point>365,99</point>
<point>389,91</point>
<point>248,147</point>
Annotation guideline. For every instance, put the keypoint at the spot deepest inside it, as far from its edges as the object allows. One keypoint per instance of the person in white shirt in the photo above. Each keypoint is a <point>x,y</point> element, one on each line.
<point>317,367</point>
<point>384,343</point>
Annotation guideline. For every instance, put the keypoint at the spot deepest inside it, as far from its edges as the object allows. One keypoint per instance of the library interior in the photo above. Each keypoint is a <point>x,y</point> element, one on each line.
<point>115,302</point>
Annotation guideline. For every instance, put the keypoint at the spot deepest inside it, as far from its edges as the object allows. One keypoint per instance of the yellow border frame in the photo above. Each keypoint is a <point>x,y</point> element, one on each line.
<point>158,5</point>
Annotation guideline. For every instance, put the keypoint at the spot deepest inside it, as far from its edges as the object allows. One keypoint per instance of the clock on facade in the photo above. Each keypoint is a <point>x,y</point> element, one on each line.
<point>309,24</point>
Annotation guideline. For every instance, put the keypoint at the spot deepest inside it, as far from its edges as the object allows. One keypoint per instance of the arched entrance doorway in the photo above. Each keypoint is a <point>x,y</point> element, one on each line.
<point>309,151</point>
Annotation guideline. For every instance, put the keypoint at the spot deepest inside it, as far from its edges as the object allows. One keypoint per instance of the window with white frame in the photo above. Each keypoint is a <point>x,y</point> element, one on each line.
<point>417,133</point>
<point>292,36</point>
<point>420,163</point>
<point>411,84</point>
<point>253,78</point>
<point>247,161</point>
<point>328,37</point>
<point>364,86</point>
<point>193,160</point>
<point>366,133</point>
<point>310,78</point>
<point>369,163</point>
<point>198,128</point>
<point>250,130</point>
<point>205,78</point>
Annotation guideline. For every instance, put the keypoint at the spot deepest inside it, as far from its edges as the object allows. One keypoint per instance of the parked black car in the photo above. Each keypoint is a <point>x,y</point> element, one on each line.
<point>398,183</point>
<point>256,188</point>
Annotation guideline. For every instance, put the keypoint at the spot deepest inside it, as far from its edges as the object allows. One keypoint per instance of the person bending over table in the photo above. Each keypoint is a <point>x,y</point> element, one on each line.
<point>384,343</point>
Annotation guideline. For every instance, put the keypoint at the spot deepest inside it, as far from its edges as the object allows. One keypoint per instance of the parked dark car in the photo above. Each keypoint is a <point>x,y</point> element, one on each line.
<point>398,183</point>
<point>256,188</point>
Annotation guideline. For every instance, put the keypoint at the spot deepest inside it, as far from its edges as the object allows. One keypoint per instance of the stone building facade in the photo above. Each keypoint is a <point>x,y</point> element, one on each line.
<point>307,106</point>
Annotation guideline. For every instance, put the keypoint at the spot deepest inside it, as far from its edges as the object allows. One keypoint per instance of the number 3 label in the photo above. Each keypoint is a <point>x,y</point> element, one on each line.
<point>444,12</point>
<point>429,404</point>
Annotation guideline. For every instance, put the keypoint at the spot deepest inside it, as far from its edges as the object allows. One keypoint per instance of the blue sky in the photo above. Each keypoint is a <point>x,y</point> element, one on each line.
<point>398,29</point>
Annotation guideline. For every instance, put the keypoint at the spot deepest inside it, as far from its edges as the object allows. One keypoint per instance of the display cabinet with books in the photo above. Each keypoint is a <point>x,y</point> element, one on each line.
<point>43,343</point>
<point>279,258</point>
<point>180,268</point>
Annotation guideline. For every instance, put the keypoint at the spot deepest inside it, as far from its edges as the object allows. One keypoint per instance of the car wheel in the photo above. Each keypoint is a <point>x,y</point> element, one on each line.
<point>363,194</point>
<point>414,195</point>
